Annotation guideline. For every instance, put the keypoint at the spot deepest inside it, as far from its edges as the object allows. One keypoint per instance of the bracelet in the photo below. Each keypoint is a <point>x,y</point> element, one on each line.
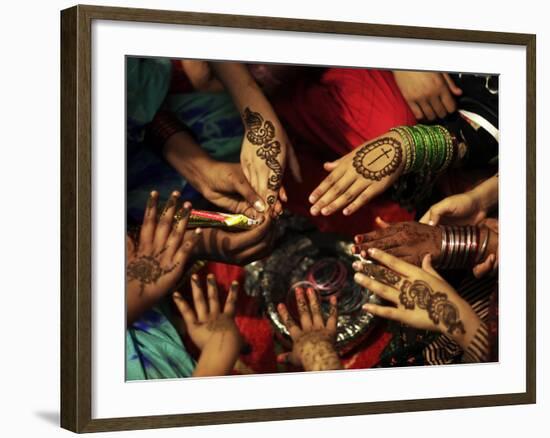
<point>460,247</point>
<point>483,247</point>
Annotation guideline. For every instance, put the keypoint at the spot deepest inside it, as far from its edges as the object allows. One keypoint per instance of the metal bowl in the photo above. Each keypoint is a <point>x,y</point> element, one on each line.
<point>297,250</point>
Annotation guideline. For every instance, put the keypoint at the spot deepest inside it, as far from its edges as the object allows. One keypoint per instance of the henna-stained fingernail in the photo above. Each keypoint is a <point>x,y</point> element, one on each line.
<point>358,239</point>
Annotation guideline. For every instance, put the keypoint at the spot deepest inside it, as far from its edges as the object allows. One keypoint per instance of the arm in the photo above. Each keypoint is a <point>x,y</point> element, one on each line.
<point>419,297</point>
<point>265,146</point>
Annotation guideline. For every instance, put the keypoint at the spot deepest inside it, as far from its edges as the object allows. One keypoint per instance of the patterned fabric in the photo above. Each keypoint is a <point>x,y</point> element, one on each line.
<point>154,349</point>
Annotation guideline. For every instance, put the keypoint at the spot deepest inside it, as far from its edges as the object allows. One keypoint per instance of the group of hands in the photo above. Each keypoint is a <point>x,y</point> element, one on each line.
<point>406,249</point>
<point>242,188</point>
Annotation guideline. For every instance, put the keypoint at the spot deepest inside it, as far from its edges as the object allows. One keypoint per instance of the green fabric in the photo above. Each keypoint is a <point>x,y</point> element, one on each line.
<point>154,349</point>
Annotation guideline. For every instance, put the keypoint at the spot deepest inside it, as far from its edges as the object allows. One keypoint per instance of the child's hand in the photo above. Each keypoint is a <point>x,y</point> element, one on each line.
<point>418,297</point>
<point>213,331</point>
<point>155,266</point>
<point>360,176</point>
<point>313,344</point>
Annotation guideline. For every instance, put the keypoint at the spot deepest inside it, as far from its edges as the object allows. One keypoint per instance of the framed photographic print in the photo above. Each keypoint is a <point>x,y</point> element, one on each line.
<point>267,218</point>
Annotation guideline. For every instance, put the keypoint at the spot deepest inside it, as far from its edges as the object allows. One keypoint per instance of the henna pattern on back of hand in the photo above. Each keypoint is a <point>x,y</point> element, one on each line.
<point>378,159</point>
<point>439,307</point>
<point>262,133</point>
<point>147,270</point>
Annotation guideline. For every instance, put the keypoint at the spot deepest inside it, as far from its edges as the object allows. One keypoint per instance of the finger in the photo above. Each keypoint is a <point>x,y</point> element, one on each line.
<point>303,309</point>
<point>451,84</point>
<point>386,312</point>
<point>248,238</point>
<point>481,269</point>
<point>185,310</point>
<point>339,187</point>
<point>282,194</point>
<point>440,209</point>
<point>331,165</point>
<point>332,320</point>
<point>231,300</point>
<point>165,222</point>
<point>368,195</point>
<point>186,247</point>
<point>381,223</point>
<point>395,264</point>
<point>288,359</point>
<point>427,110</point>
<point>243,188</point>
<point>448,101</point>
<point>382,290</point>
<point>344,199</point>
<point>198,299</point>
<point>428,267</point>
<point>326,184</point>
<point>418,114</point>
<point>212,292</point>
<point>288,322</point>
<point>178,230</point>
<point>315,308</point>
<point>294,164</point>
<point>390,245</point>
<point>147,232</point>
<point>438,107</point>
<point>378,272</point>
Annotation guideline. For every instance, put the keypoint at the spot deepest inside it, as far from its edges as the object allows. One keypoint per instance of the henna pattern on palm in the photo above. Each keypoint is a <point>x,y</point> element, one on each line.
<point>147,270</point>
<point>378,159</point>
<point>439,308</point>
<point>261,133</point>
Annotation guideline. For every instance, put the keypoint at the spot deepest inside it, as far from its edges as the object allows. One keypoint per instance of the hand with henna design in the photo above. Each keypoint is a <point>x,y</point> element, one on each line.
<point>211,329</point>
<point>418,297</point>
<point>236,247</point>
<point>265,150</point>
<point>360,176</point>
<point>313,343</point>
<point>157,262</point>
<point>409,241</point>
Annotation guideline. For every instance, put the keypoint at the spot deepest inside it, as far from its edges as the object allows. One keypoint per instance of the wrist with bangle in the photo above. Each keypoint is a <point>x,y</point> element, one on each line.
<point>462,246</point>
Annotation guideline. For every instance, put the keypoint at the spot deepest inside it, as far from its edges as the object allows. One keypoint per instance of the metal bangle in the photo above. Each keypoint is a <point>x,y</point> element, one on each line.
<point>483,248</point>
<point>468,231</point>
<point>452,247</point>
<point>444,247</point>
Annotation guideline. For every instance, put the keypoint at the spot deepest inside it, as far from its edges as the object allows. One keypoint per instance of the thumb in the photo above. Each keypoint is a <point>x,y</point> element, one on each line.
<point>451,84</point>
<point>244,189</point>
<point>437,210</point>
<point>427,266</point>
<point>331,165</point>
<point>381,223</point>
